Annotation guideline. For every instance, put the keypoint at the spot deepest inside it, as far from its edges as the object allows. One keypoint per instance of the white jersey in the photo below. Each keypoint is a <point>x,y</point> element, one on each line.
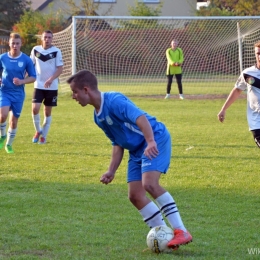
<point>250,80</point>
<point>46,63</point>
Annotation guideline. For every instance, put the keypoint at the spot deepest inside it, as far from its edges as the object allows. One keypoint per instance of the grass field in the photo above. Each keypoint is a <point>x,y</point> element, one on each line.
<point>147,88</point>
<point>53,206</point>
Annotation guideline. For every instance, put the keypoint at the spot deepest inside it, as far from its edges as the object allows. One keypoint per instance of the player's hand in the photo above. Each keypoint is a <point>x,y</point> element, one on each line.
<point>107,177</point>
<point>47,83</point>
<point>17,81</point>
<point>221,116</point>
<point>151,150</point>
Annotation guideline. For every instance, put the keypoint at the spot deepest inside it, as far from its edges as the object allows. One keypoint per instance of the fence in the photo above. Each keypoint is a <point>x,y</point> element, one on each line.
<point>4,44</point>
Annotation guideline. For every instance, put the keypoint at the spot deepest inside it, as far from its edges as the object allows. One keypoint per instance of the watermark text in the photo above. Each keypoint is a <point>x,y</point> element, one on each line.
<point>253,251</point>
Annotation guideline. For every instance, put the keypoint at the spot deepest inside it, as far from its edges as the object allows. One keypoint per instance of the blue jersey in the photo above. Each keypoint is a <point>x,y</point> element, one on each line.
<point>15,68</point>
<point>117,118</point>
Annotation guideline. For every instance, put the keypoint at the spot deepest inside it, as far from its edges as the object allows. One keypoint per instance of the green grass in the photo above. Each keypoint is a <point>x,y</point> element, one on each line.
<point>53,206</point>
<point>146,88</point>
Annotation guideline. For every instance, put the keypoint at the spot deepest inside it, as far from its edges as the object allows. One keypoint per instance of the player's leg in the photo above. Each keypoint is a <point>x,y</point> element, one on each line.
<point>169,85</point>
<point>179,84</point>
<point>50,101</point>
<point>11,133</point>
<point>36,105</point>
<point>256,135</point>
<point>137,196</point>
<point>4,111</point>
<point>152,170</point>
<point>16,109</point>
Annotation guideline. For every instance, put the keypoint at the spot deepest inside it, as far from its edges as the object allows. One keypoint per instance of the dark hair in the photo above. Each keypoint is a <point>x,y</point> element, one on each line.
<point>84,78</point>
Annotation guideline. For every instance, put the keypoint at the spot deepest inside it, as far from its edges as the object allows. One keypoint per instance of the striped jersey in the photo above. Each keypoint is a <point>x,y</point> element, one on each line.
<point>46,63</point>
<point>249,80</point>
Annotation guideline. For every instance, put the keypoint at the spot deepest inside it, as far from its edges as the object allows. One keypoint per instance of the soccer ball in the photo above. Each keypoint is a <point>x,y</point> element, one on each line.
<point>158,238</point>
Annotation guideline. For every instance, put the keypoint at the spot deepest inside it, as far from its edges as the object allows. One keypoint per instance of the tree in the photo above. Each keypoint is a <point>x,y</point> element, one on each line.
<point>10,12</point>
<point>231,8</point>
<point>33,23</point>
<point>142,9</point>
<point>86,7</point>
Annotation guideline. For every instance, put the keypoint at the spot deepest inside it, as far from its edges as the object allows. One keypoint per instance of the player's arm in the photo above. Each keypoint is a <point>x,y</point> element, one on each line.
<point>181,59</point>
<point>169,57</point>
<point>19,82</point>
<point>117,156</point>
<point>233,96</point>
<point>53,77</point>
<point>151,150</point>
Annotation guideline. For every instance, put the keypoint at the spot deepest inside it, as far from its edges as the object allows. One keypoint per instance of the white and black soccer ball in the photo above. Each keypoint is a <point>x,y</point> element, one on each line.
<point>158,238</point>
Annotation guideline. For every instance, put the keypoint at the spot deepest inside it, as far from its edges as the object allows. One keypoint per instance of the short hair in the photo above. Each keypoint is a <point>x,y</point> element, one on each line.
<point>84,78</point>
<point>15,36</point>
<point>257,44</point>
<point>48,31</point>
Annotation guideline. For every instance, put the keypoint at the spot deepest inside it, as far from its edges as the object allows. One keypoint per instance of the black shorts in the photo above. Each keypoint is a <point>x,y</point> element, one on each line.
<point>256,135</point>
<point>48,97</point>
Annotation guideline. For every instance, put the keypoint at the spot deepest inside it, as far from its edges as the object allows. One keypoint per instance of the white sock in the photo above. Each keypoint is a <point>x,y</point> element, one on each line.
<point>3,129</point>
<point>46,126</point>
<point>170,211</point>
<point>37,122</point>
<point>152,215</point>
<point>10,136</point>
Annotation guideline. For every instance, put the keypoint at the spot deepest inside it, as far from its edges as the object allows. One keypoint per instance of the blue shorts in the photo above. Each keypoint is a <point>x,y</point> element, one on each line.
<point>138,166</point>
<point>15,105</point>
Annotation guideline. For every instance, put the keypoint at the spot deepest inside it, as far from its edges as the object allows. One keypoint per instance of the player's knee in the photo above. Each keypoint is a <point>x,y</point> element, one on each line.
<point>149,188</point>
<point>134,198</point>
<point>257,141</point>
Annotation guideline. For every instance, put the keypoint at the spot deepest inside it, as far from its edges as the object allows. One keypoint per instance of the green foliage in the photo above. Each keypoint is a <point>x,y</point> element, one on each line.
<point>142,9</point>
<point>85,7</point>
<point>10,12</point>
<point>33,23</point>
<point>231,8</point>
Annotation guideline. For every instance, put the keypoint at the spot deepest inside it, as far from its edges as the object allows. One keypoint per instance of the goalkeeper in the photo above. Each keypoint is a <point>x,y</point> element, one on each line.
<point>175,59</point>
<point>149,144</point>
<point>249,80</point>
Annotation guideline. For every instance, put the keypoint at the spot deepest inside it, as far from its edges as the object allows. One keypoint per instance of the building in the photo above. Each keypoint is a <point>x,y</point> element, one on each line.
<point>201,3</point>
<point>120,7</point>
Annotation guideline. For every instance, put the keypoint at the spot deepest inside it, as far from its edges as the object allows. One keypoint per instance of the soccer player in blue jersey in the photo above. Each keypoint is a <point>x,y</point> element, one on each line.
<point>14,66</point>
<point>149,144</point>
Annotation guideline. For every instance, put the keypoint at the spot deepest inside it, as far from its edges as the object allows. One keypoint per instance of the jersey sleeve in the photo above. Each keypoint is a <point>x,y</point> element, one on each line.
<point>169,57</point>
<point>126,110</point>
<point>59,60</point>
<point>32,56</point>
<point>241,83</point>
<point>181,58</point>
<point>30,68</point>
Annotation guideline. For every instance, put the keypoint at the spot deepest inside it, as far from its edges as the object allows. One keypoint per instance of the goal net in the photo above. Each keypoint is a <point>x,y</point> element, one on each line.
<point>128,53</point>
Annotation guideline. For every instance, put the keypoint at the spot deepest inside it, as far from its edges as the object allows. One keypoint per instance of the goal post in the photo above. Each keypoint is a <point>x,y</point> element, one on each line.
<point>128,53</point>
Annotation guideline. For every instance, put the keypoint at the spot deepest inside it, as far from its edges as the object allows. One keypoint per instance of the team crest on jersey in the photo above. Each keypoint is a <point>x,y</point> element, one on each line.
<point>250,80</point>
<point>20,64</point>
<point>51,55</point>
<point>109,120</point>
<point>37,54</point>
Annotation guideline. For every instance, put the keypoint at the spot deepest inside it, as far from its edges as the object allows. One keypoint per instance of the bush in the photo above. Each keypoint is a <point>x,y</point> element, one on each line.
<point>33,23</point>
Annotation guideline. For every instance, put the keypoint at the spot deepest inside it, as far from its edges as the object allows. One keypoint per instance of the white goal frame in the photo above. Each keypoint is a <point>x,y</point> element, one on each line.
<point>223,47</point>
